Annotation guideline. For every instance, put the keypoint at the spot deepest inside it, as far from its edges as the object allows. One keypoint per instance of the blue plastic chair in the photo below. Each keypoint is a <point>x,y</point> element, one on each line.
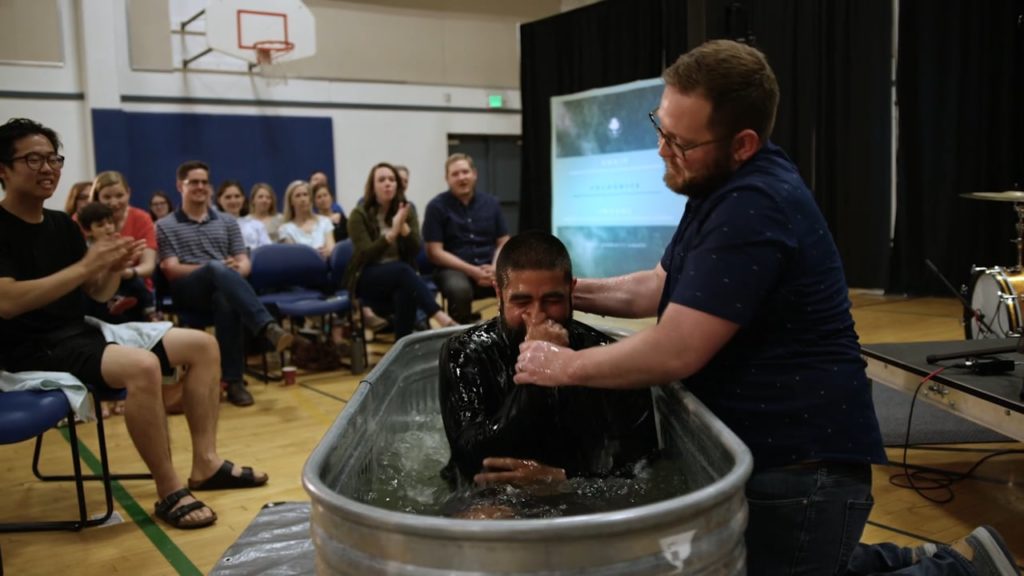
<point>287,273</point>
<point>338,263</point>
<point>29,414</point>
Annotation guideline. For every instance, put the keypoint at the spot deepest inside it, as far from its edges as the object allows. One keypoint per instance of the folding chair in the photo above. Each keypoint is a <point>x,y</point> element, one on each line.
<point>28,414</point>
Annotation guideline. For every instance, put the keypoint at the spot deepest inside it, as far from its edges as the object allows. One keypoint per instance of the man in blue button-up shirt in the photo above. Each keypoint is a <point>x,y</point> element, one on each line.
<point>463,229</point>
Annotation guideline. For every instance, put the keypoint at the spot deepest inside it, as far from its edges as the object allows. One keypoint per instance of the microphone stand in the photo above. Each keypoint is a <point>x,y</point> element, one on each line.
<point>977,315</point>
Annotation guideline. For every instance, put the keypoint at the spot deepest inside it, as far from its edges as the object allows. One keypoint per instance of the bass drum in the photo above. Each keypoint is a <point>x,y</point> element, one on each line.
<point>995,295</point>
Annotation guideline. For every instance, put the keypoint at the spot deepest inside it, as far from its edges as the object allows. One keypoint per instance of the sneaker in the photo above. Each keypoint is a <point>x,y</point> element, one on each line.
<point>278,337</point>
<point>992,557</point>
<point>238,395</point>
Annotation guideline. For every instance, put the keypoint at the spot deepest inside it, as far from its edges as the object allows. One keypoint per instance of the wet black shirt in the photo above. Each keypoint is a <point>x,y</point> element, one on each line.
<point>588,432</point>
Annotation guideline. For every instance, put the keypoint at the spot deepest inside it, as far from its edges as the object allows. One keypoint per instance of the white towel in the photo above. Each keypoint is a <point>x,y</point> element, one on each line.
<point>135,334</point>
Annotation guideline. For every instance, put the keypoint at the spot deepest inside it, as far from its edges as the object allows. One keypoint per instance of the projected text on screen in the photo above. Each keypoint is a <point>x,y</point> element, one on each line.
<point>609,203</point>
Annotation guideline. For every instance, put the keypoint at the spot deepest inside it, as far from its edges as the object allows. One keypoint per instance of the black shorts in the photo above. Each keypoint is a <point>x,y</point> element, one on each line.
<point>80,354</point>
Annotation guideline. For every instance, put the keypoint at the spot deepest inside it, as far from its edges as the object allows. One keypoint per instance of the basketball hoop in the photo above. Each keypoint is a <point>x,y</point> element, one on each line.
<point>269,50</point>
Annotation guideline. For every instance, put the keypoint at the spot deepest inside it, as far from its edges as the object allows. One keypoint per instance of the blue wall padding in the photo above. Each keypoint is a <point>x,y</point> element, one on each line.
<point>147,148</point>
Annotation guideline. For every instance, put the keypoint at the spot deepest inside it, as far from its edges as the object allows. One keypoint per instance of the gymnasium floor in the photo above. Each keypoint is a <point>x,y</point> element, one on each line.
<point>281,429</point>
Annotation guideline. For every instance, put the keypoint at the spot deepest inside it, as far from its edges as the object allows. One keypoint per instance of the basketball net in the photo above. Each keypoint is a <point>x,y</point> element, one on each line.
<point>267,54</point>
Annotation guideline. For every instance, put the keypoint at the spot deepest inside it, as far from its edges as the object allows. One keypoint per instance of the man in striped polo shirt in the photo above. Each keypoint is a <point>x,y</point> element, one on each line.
<point>204,259</point>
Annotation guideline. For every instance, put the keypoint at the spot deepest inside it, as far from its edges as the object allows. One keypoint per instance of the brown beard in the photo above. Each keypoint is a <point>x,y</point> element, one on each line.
<point>716,177</point>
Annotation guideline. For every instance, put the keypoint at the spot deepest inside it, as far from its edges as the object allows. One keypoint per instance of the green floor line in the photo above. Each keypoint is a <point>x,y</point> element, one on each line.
<point>170,551</point>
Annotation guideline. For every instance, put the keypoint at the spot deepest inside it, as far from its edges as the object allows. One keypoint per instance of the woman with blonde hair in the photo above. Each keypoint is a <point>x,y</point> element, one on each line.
<point>386,238</point>
<point>301,224</point>
<point>231,200</point>
<point>79,195</point>
<point>263,206</point>
<point>112,189</point>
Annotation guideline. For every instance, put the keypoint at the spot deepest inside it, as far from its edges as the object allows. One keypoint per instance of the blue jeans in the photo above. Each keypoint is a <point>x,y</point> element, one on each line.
<point>215,288</point>
<point>807,519</point>
<point>399,288</point>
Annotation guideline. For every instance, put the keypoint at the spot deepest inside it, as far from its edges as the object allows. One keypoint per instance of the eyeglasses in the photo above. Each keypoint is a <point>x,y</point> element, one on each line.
<point>677,148</point>
<point>34,160</point>
<point>197,183</point>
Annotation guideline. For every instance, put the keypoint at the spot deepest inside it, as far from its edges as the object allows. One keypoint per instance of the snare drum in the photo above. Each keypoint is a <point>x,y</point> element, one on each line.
<point>995,293</point>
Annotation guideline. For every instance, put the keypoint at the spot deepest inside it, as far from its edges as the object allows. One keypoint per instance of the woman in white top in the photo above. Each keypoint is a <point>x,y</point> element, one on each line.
<point>263,203</point>
<point>231,200</point>
<point>301,224</point>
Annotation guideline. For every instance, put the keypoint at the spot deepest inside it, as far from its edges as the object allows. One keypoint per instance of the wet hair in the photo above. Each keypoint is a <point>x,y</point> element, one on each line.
<point>224,188</point>
<point>92,213</point>
<point>17,128</point>
<point>455,158</point>
<point>263,186</point>
<point>189,166</point>
<point>736,79</point>
<point>160,194</point>
<point>370,198</point>
<point>533,250</point>
<point>72,202</point>
<point>105,180</point>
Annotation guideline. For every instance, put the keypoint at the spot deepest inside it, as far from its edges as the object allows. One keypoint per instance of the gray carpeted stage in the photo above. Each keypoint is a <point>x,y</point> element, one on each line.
<point>930,425</point>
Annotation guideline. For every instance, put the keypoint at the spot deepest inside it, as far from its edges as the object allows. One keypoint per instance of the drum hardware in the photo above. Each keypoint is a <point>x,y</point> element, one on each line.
<point>1017,197</point>
<point>969,311</point>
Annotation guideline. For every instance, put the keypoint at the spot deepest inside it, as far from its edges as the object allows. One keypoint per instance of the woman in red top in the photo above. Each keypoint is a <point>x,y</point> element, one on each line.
<point>112,189</point>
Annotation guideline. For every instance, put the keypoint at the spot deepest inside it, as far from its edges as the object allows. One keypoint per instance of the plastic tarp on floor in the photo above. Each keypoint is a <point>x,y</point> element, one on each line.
<point>277,543</point>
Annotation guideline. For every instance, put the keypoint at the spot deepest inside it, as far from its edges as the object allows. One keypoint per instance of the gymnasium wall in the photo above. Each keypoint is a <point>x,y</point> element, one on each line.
<point>113,116</point>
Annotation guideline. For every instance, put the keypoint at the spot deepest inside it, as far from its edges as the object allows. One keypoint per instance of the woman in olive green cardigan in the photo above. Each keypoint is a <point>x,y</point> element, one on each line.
<point>386,238</point>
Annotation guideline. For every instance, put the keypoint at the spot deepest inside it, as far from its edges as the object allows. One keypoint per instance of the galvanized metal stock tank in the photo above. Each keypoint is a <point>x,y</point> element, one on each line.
<point>700,532</point>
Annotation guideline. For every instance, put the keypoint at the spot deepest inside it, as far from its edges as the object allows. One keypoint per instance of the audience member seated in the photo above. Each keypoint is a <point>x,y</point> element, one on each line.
<point>231,201</point>
<point>320,177</point>
<point>160,205</point>
<point>322,200</point>
<point>403,175</point>
<point>42,326</point>
<point>386,238</point>
<point>204,259</point>
<point>263,202</point>
<point>112,189</point>
<point>132,296</point>
<point>463,228</point>
<point>79,195</point>
<point>301,225</point>
<point>501,433</point>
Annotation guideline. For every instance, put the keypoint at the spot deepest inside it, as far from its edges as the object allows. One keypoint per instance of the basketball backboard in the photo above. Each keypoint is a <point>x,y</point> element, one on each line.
<point>255,30</point>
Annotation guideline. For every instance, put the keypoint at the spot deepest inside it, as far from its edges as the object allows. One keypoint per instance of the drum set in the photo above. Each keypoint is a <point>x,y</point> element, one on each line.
<point>994,295</point>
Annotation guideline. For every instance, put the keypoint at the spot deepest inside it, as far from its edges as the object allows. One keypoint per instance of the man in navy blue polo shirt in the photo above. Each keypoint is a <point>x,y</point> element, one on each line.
<point>753,313</point>
<point>462,229</point>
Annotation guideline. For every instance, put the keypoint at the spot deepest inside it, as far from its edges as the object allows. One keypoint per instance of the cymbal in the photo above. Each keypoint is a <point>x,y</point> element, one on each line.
<point>1007,196</point>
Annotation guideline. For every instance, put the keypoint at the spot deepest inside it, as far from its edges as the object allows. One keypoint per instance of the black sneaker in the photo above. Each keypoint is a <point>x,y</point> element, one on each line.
<point>278,337</point>
<point>238,395</point>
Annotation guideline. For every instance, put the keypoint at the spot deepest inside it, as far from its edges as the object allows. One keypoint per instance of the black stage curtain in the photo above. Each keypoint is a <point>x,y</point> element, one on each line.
<point>602,44</point>
<point>959,88</point>
<point>832,59</point>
